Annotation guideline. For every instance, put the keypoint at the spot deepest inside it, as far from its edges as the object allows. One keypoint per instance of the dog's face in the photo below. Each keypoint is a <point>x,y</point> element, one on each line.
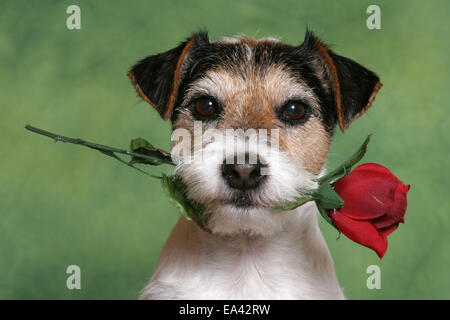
<point>254,120</point>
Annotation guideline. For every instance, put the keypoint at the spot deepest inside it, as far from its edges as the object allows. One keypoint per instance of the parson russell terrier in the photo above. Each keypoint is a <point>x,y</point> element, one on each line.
<point>251,250</point>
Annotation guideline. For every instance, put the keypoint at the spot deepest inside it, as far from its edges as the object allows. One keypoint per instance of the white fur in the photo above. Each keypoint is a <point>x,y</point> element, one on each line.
<point>238,39</point>
<point>284,182</point>
<point>292,264</point>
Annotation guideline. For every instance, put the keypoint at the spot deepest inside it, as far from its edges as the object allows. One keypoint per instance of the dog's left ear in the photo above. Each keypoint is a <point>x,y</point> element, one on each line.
<point>352,87</point>
<point>157,78</point>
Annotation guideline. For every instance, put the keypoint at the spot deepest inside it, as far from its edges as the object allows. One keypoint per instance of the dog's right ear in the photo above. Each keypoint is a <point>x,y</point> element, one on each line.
<point>157,78</point>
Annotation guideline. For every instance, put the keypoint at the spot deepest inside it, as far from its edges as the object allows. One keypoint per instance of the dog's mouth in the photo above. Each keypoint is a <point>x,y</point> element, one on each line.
<point>242,200</point>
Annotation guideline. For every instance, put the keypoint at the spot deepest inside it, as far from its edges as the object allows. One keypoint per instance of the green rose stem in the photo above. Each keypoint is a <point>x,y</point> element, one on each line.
<point>136,157</point>
<point>325,196</point>
<point>141,151</point>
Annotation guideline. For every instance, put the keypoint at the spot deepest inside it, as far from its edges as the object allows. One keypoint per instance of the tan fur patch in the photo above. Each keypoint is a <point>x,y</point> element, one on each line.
<point>336,85</point>
<point>176,79</point>
<point>307,145</point>
<point>250,100</point>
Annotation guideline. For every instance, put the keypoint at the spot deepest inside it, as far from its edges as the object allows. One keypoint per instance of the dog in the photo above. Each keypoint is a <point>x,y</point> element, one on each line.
<point>249,248</point>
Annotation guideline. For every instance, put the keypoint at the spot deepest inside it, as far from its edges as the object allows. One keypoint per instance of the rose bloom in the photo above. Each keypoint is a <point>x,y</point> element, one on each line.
<point>374,205</point>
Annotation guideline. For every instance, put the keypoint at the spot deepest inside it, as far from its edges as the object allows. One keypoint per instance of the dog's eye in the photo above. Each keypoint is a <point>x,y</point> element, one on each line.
<point>205,107</point>
<point>292,111</point>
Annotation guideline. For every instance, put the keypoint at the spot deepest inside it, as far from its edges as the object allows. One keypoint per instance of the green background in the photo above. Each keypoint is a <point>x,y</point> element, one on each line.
<point>63,204</point>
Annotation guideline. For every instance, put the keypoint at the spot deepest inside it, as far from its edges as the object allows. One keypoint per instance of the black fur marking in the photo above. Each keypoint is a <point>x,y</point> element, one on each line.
<point>234,56</point>
<point>155,74</point>
<point>357,85</point>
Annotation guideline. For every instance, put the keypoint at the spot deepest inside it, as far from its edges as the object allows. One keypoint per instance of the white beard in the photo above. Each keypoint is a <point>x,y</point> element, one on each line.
<point>285,182</point>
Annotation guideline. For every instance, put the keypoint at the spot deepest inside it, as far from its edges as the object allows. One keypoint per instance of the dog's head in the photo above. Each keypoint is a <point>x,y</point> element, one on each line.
<point>252,120</point>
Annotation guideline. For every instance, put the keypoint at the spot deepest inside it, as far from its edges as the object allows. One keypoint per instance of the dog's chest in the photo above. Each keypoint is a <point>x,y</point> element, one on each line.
<point>293,264</point>
<point>248,273</point>
<point>253,270</point>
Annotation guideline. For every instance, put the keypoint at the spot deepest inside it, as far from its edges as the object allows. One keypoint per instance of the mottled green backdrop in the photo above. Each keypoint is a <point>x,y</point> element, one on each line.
<point>63,204</point>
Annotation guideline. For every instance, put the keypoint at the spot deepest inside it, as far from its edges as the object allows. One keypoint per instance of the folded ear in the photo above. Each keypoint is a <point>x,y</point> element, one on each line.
<point>157,78</point>
<point>352,86</point>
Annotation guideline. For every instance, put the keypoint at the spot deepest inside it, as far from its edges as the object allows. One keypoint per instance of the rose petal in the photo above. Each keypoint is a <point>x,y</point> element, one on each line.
<point>388,230</point>
<point>368,191</point>
<point>397,213</point>
<point>362,232</point>
<point>375,167</point>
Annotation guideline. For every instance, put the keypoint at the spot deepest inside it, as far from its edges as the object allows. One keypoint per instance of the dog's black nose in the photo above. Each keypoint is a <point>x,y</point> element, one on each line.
<point>243,176</point>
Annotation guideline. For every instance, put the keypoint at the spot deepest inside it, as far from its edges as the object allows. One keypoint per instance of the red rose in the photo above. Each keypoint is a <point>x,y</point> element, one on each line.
<point>374,205</point>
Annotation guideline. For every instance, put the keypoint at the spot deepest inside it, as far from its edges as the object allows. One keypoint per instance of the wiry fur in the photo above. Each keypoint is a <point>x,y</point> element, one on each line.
<point>252,251</point>
<point>292,264</point>
<point>285,182</point>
